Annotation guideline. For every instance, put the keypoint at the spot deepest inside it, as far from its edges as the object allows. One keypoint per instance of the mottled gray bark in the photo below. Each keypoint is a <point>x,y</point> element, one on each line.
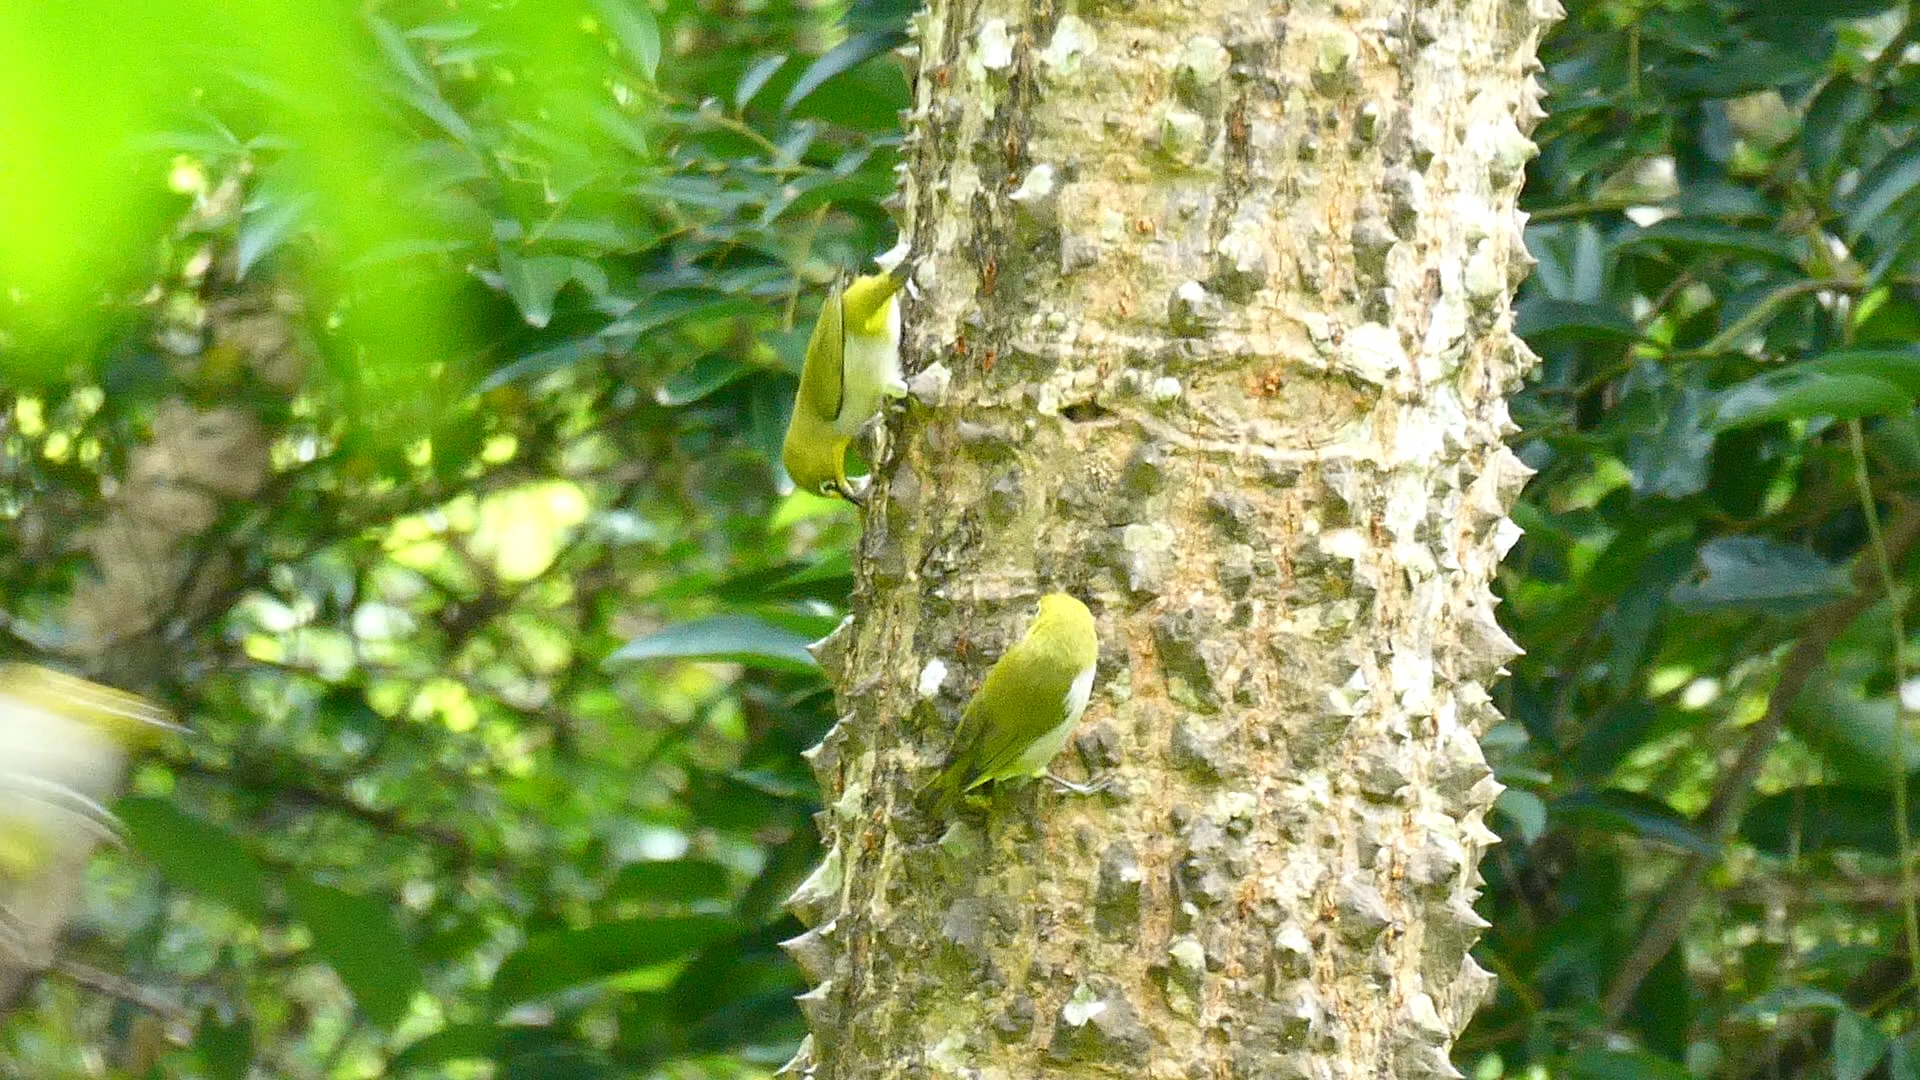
<point>1212,330</point>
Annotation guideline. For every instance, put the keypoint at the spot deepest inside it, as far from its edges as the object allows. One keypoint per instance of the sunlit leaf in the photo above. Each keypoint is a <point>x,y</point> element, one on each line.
<point>740,639</point>
<point>265,226</point>
<point>1786,999</point>
<point>534,281</point>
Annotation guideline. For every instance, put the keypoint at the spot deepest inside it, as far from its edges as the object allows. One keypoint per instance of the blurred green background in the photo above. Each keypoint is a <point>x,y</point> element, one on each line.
<point>496,675</point>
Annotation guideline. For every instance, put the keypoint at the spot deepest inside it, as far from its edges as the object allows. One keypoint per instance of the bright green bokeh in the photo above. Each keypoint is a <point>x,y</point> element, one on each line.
<point>363,178</point>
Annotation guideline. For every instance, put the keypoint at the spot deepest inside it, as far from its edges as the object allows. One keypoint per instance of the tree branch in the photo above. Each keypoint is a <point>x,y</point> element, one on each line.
<point>1735,788</point>
<point>121,988</point>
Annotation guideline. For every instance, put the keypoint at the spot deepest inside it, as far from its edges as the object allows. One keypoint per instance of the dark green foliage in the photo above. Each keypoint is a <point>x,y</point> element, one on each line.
<point>1723,212</point>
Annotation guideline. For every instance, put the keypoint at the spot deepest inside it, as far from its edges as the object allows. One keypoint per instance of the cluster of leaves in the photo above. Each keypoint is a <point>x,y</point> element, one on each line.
<point>1726,309</point>
<point>443,809</point>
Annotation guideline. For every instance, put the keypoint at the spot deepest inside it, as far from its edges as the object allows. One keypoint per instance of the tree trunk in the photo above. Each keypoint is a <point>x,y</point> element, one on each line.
<point>1212,331</point>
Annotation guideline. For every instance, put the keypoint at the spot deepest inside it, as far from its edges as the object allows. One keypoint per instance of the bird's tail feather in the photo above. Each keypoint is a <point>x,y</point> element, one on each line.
<point>938,796</point>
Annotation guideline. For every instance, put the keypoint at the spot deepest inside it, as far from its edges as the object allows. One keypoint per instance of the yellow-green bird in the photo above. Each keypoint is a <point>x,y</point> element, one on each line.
<point>1027,706</point>
<point>64,744</point>
<point>852,365</point>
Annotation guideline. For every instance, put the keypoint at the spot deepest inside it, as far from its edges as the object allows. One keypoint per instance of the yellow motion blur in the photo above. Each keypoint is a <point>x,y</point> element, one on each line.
<point>64,745</point>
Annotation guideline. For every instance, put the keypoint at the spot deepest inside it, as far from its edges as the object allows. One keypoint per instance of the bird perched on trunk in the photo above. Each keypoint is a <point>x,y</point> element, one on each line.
<point>852,365</point>
<point>1025,708</point>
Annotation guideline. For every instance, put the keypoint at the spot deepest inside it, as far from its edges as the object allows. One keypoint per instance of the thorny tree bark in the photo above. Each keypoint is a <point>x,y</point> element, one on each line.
<point>1213,331</point>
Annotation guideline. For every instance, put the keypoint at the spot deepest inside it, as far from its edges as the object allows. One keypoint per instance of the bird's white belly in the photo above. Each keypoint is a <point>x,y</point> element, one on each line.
<point>870,365</point>
<point>1038,756</point>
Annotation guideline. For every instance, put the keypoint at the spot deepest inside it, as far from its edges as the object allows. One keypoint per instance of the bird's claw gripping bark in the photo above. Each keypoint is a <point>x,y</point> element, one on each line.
<point>1096,788</point>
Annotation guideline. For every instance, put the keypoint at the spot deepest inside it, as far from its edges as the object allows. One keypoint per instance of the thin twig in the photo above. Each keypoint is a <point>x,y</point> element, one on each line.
<point>121,988</point>
<point>1669,918</point>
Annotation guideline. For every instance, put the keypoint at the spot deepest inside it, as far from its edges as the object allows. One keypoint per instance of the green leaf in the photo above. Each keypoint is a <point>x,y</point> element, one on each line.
<point>700,378</point>
<point>1840,105</point>
<point>571,1061</point>
<point>1903,1057</point>
<point>1622,1065</point>
<point>444,30</point>
<point>1899,366</point>
<point>879,14</point>
<point>1824,818</point>
<point>1716,238</point>
<point>1755,573</point>
<point>460,1042</point>
<point>1892,180</point>
<point>1858,1045</point>
<point>755,80</point>
<point>225,1050</point>
<point>677,881</point>
<point>399,55</point>
<point>195,854</point>
<point>534,282</point>
<point>1544,322</point>
<point>666,308</point>
<point>545,362</point>
<point>1854,737</point>
<point>360,939</point>
<point>1831,10</point>
<point>264,227</point>
<point>1674,459</point>
<point>830,580</point>
<point>1741,69</point>
<point>1630,812</point>
<point>842,57</point>
<point>1527,812</point>
<point>637,30</point>
<point>1796,395</point>
<point>740,639</point>
<point>1786,999</point>
<point>566,959</point>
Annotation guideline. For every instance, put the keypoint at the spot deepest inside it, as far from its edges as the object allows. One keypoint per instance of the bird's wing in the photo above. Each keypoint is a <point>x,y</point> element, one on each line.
<point>1029,702</point>
<point>825,384</point>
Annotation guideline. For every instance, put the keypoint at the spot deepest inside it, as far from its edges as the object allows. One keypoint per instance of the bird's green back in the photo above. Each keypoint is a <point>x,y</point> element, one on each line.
<point>822,377</point>
<point>1024,695</point>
